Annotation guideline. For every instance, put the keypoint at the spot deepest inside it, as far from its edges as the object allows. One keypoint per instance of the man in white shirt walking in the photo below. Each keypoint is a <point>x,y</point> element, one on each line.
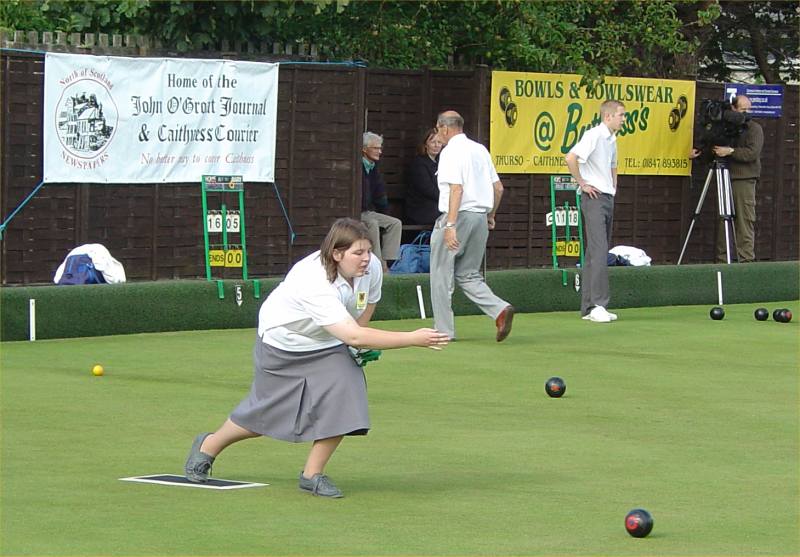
<point>469,194</point>
<point>593,164</point>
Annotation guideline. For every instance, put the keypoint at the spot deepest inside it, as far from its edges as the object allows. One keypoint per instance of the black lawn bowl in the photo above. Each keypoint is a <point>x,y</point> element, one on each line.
<point>776,314</point>
<point>638,523</point>
<point>761,314</point>
<point>785,315</point>
<point>555,387</point>
<point>716,313</point>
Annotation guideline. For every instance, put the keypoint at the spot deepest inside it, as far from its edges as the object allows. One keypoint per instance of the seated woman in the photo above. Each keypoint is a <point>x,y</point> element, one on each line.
<point>422,189</point>
<point>307,386</point>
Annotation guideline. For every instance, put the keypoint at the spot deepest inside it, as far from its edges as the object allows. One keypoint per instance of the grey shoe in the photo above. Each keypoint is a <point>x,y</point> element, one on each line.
<point>198,464</point>
<point>321,485</point>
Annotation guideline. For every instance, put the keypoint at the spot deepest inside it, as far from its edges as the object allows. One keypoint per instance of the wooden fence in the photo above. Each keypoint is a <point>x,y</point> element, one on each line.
<point>155,230</point>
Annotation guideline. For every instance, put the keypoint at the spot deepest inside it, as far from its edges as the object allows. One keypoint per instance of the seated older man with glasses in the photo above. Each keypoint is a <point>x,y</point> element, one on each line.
<point>384,230</point>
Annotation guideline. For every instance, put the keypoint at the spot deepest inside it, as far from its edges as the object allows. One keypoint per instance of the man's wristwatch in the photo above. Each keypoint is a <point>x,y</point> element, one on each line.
<point>449,225</point>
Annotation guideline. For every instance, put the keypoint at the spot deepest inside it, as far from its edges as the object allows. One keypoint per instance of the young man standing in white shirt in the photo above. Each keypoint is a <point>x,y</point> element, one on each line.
<point>469,194</point>
<point>593,164</point>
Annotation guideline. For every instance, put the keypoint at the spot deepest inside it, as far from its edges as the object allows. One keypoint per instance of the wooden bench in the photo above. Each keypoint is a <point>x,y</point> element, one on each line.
<point>410,231</point>
<point>418,227</point>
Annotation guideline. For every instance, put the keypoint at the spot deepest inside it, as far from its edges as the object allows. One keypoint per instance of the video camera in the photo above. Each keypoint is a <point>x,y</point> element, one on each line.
<point>720,123</point>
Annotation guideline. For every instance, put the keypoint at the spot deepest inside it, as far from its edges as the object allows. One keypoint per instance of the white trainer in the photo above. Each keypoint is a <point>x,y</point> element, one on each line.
<point>599,315</point>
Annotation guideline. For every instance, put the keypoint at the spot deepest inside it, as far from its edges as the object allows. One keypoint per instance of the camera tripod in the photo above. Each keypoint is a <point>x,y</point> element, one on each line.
<point>726,210</point>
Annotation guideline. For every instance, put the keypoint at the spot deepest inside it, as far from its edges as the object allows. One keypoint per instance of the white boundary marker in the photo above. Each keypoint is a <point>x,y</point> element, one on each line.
<point>421,302</point>
<point>149,480</point>
<point>32,319</point>
<point>719,287</point>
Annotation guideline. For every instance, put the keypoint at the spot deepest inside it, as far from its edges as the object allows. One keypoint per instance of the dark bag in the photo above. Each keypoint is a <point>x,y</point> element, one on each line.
<point>616,260</point>
<point>414,257</point>
<point>79,269</point>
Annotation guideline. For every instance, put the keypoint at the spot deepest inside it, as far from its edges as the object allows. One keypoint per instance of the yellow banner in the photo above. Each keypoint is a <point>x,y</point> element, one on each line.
<point>536,119</point>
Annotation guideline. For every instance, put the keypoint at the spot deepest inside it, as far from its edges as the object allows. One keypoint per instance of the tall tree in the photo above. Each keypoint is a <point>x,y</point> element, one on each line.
<point>757,40</point>
<point>591,37</point>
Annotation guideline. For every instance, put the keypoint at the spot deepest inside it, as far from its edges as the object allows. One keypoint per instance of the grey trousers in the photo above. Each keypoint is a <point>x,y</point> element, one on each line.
<point>384,233</point>
<point>598,218</point>
<point>744,223</point>
<point>462,267</point>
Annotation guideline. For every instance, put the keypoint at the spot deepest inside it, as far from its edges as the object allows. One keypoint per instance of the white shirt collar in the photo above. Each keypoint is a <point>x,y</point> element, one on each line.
<point>458,137</point>
<point>341,281</point>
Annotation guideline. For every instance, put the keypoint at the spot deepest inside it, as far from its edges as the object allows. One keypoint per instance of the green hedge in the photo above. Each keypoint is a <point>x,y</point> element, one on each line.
<point>93,310</point>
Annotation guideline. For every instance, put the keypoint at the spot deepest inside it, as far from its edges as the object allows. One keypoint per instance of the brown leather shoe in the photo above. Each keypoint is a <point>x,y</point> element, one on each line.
<point>503,322</point>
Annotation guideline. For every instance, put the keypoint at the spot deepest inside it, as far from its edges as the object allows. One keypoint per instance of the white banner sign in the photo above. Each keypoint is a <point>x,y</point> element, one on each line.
<point>146,120</point>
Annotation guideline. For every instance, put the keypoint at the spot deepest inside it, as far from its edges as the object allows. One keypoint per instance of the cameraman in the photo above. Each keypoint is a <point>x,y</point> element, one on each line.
<point>744,164</point>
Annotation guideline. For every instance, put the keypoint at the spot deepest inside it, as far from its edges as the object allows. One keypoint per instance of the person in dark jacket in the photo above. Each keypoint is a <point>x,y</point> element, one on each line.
<point>384,230</point>
<point>422,188</point>
<point>744,165</point>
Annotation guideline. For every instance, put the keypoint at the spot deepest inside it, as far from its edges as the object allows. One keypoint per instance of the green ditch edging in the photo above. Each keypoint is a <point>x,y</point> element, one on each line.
<point>96,310</point>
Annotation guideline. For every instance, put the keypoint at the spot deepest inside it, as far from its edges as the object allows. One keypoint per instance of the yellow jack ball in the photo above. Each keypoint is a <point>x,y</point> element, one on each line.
<point>97,370</point>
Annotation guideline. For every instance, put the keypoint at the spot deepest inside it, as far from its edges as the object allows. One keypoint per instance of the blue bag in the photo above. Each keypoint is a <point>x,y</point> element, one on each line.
<point>79,269</point>
<point>414,257</point>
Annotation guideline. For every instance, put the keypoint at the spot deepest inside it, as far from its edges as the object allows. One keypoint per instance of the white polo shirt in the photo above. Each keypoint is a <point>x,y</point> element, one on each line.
<point>468,163</point>
<point>294,314</point>
<point>597,155</point>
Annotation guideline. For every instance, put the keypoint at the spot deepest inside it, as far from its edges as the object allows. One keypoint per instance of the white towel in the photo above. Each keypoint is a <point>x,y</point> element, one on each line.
<point>634,256</point>
<point>112,269</point>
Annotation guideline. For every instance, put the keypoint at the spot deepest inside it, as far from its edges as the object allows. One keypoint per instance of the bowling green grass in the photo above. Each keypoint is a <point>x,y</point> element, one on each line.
<point>694,420</point>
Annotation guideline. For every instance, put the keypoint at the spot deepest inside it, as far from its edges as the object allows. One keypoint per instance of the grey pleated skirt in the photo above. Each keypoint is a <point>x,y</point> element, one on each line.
<point>304,396</point>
